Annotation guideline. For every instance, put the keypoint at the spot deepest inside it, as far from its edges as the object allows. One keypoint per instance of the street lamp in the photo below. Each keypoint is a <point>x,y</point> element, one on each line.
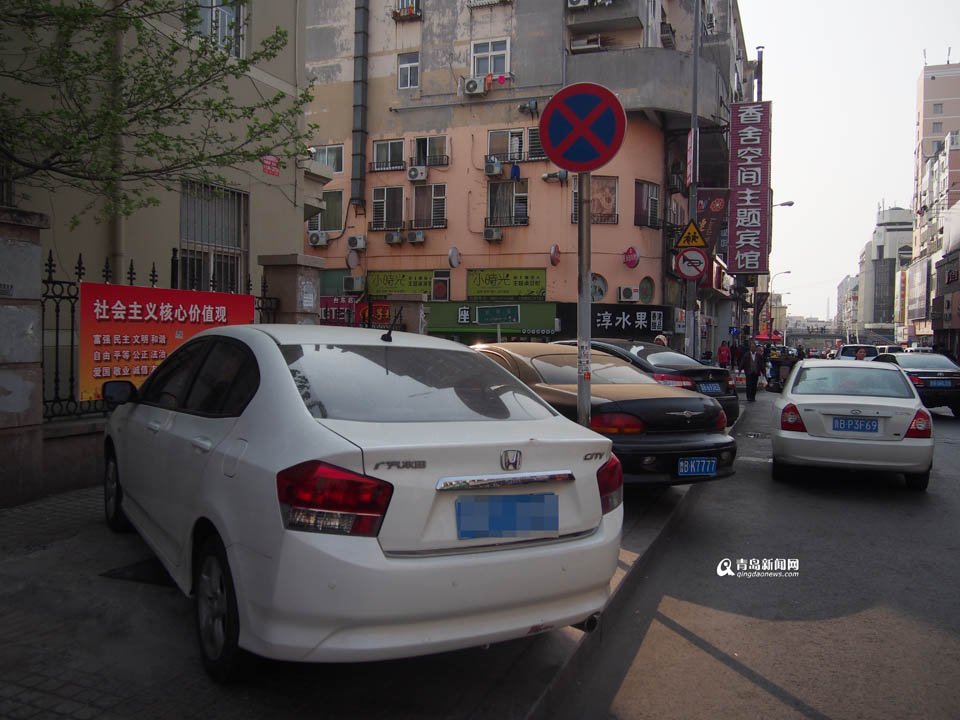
<point>785,203</point>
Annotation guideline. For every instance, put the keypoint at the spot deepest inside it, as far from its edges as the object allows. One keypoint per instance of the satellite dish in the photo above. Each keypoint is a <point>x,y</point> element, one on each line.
<point>353,259</point>
<point>453,257</point>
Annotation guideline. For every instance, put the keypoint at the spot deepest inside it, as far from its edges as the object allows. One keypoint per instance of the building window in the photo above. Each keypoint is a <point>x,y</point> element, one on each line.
<point>387,208</point>
<point>603,200</point>
<point>214,232</point>
<point>937,128</point>
<point>430,151</point>
<point>220,20</point>
<point>505,145</point>
<point>331,155</point>
<point>508,204</point>
<point>938,108</point>
<point>491,56</point>
<point>408,70</point>
<point>331,217</point>
<point>388,155</point>
<point>429,207</point>
<point>646,204</point>
<point>534,148</point>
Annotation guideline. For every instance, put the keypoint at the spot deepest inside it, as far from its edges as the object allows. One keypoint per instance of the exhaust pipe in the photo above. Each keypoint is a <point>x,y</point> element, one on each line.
<point>589,624</point>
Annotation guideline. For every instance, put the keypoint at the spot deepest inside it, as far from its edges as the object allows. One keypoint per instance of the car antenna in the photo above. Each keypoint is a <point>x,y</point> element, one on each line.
<point>388,335</point>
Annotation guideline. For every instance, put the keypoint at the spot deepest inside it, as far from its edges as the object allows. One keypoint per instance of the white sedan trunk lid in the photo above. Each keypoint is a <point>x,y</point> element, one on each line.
<point>857,418</point>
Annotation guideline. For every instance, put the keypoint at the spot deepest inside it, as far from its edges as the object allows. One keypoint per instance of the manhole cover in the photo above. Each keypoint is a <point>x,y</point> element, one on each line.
<point>148,571</point>
<point>758,436</point>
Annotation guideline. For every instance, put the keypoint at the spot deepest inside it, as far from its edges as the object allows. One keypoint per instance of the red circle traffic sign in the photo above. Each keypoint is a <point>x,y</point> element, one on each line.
<point>691,263</point>
<point>582,127</point>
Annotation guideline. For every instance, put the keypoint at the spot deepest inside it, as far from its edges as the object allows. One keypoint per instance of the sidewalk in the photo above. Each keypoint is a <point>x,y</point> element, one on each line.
<point>92,627</point>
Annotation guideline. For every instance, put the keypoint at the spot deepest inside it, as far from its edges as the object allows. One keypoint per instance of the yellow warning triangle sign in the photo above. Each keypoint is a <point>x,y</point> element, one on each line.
<point>691,237</point>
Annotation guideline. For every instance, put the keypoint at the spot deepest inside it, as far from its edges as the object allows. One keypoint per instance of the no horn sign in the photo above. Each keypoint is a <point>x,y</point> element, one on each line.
<point>582,127</point>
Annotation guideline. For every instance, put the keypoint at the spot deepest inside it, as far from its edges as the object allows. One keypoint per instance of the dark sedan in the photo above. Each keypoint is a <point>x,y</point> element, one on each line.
<point>670,367</point>
<point>663,435</point>
<point>935,377</point>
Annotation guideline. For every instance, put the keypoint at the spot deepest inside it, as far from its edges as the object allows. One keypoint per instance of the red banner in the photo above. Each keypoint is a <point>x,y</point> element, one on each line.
<point>345,310</point>
<point>125,332</point>
<point>712,215</point>
<point>748,223</point>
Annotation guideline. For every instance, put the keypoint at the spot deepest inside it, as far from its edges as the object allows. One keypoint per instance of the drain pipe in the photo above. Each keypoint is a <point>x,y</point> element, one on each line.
<point>361,49</point>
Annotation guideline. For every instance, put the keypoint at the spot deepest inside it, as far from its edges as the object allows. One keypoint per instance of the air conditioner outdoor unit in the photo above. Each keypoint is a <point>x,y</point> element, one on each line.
<point>415,236</point>
<point>357,242</point>
<point>629,293</point>
<point>492,168</point>
<point>575,4</point>
<point>417,172</point>
<point>393,238</point>
<point>317,238</point>
<point>475,86</point>
<point>586,44</point>
<point>493,235</point>
<point>353,284</point>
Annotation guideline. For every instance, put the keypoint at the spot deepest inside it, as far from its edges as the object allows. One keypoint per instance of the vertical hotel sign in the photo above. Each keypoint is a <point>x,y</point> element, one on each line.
<point>749,218</point>
<point>125,332</point>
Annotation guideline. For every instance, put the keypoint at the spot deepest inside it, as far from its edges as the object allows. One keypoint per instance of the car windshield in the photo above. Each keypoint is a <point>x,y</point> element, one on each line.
<point>373,383</point>
<point>926,361</point>
<point>851,350</point>
<point>868,380</point>
<point>604,370</point>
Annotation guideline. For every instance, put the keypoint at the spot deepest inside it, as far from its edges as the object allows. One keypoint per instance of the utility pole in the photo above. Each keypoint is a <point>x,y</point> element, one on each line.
<point>692,332</point>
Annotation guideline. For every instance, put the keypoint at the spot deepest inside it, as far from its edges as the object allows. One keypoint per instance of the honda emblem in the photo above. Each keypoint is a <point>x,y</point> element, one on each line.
<point>510,459</point>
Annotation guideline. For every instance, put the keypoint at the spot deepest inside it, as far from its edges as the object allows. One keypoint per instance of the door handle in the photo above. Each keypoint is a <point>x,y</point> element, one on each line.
<point>202,444</point>
<point>153,426</point>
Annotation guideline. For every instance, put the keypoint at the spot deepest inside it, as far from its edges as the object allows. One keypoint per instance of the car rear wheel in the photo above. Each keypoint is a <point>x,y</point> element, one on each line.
<point>113,496</point>
<point>215,604</point>
<point>917,481</point>
<point>955,409</point>
<point>781,471</point>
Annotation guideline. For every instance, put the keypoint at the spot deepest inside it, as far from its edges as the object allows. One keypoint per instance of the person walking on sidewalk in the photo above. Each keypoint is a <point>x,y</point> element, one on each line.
<point>751,363</point>
<point>723,355</point>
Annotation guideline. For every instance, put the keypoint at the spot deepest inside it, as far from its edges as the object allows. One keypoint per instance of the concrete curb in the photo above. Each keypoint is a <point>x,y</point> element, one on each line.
<point>669,509</point>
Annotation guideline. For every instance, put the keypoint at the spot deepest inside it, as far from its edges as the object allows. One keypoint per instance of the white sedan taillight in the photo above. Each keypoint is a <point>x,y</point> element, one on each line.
<point>921,427</point>
<point>790,419</point>
<point>317,497</point>
<point>610,483</point>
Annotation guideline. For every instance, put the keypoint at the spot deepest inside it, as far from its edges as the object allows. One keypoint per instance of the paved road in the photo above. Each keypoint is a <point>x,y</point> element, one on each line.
<point>870,628</point>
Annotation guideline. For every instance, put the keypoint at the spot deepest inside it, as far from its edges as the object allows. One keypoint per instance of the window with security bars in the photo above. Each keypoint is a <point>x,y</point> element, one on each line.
<point>534,148</point>
<point>491,56</point>
<point>429,207</point>
<point>646,209</point>
<point>331,217</point>
<point>387,208</point>
<point>214,237</point>
<point>505,145</point>
<point>430,151</point>
<point>603,200</point>
<point>221,20</point>
<point>508,204</point>
<point>388,155</point>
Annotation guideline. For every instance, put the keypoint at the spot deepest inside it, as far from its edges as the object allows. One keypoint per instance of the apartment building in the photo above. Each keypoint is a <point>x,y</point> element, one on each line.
<point>878,271</point>
<point>847,303</point>
<point>430,120</point>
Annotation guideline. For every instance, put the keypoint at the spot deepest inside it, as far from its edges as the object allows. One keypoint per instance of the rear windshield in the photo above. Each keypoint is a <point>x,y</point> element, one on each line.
<point>851,350</point>
<point>604,370</point>
<point>374,383</point>
<point>672,359</point>
<point>867,380</point>
<point>926,361</point>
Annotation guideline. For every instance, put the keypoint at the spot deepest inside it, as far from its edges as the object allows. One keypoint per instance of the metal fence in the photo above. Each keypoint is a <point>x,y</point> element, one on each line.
<point>60,333</point>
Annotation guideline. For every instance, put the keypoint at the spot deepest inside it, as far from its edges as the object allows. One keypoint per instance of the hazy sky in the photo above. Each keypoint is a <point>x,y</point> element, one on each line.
<point>842,77</point>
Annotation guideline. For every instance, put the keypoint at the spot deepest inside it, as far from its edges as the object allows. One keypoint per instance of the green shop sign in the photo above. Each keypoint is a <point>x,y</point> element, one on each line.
<point>507,284</point>
<point>381,283</point>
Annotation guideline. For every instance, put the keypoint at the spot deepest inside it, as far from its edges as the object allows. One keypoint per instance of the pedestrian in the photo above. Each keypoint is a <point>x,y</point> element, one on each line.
<point>723,355</point>
<point>752,365</point>
<point>861,353</point>
<point>661,340</point>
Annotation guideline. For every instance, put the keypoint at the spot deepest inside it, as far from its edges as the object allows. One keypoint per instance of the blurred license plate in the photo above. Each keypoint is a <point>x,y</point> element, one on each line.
<point>941,383</point>
<point>852,424</point>
<point>696,466</point>
<point>709,387</point>
<point>498,516</point>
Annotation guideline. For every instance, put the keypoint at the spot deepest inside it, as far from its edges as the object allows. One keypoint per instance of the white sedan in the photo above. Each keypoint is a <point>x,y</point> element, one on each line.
<point>855,415</point>
<point>344,494</point>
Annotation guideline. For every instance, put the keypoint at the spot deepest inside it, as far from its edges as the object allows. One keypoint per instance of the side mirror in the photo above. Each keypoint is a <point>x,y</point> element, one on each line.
<point>118,392</point>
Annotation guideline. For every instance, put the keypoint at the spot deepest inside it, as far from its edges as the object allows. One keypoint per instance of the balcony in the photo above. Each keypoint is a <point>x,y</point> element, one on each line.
<point>407,11</point>
<point>431,161</point>
<point>620,14</point>
<point>597,219</point>
<point>387,165</point>
<point>386,224</point>
<point>654,79</point>
<point>506,221</point>
<point>428,223</point>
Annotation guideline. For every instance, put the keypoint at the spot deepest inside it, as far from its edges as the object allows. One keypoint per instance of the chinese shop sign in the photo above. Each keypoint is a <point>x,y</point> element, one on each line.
<point>749,208</point>
<point>507,284</point>
<point>386,282</point>
<point>125,332</point>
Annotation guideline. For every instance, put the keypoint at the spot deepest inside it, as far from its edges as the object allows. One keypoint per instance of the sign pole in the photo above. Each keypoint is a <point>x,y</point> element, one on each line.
<point>692,333</point>
<point>585,299</point>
